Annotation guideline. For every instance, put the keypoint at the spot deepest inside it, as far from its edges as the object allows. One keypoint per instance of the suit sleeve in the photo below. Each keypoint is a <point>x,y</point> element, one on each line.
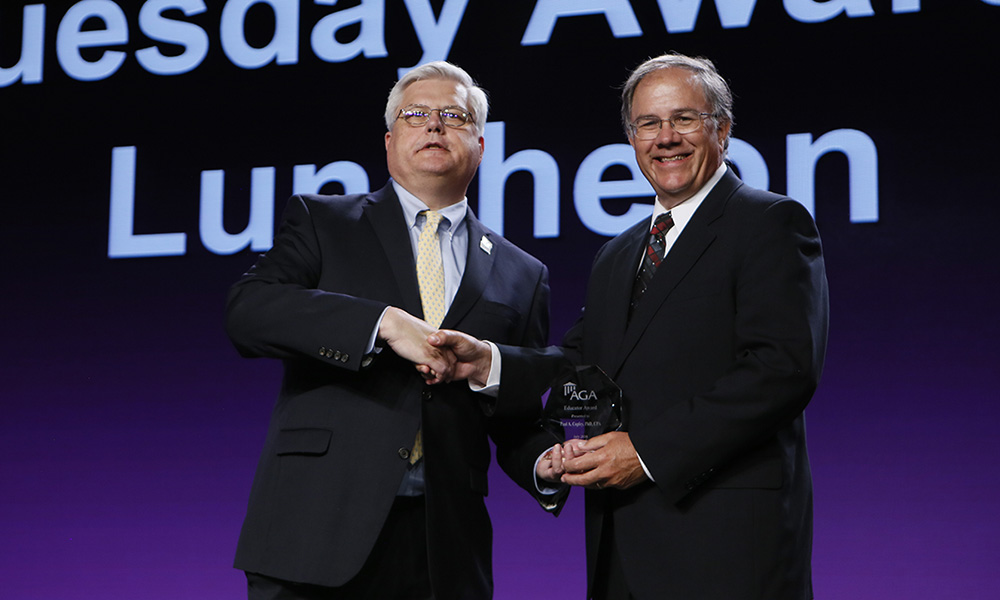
<point>514,424</point>
<point>275,310</point>
<point>780,328</point>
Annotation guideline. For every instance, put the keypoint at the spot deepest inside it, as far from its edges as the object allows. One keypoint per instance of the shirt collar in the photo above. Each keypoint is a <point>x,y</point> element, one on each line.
<point>412,206</point>
<point>683,211</point>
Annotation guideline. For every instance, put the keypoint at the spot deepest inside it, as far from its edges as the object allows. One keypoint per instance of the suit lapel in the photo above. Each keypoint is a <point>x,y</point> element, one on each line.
<point>478,266</point>
<point>386,217</point>
<point>689,247</point>
<point>624,266</point>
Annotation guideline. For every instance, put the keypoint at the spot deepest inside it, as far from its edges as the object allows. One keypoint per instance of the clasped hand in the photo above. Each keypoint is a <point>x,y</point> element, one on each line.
<point>605,461</point>
<point>407,336</point>
<point>439,356</point>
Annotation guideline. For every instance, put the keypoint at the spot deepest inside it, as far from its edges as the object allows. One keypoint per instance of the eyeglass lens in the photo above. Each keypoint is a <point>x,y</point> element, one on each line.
<point>417,115</point>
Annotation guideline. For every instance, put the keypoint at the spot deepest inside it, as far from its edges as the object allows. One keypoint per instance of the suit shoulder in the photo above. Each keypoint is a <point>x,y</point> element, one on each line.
<point>757,217</point>
<point>339,202</point>
<point>323,206</point>
<point>749,202</point>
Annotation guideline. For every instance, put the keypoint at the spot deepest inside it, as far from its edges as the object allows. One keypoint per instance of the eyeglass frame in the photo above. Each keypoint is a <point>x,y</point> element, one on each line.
<point>469,117</point>
<point>701,123</point>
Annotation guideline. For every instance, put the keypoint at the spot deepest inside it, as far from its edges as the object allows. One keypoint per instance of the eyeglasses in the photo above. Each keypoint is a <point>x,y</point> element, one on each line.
<point>417,115</point>
<point>648,127</point>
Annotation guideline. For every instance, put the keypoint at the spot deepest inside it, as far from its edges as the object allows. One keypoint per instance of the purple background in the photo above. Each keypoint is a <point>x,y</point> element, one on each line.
<point>130,427</point>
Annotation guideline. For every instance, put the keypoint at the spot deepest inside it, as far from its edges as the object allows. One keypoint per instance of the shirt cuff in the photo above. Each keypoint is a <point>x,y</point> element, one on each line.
<point>374,336</point>
<point>492,387</point>
<point>644,469</point>
<point>372,349</point>
<point>544,487</point>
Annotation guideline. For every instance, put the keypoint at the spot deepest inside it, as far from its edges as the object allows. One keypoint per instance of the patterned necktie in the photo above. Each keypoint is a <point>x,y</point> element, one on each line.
<point>652,258</point>
<point>430,271</point>
<point>430,278</point>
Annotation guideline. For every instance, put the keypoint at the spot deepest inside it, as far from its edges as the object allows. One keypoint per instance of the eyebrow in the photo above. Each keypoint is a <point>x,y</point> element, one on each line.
<point>677,111</point>
<point>458,106</point>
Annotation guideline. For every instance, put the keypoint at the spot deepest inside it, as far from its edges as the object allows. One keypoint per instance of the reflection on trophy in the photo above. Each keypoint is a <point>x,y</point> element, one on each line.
<point>583,402</point>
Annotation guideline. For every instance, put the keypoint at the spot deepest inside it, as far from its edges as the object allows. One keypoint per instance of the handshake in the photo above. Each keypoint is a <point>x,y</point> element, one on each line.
<point>441,356</point>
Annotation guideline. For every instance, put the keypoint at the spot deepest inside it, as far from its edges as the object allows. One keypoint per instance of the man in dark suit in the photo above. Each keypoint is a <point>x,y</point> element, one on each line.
<point>712,318</point>
<point>371,483</point>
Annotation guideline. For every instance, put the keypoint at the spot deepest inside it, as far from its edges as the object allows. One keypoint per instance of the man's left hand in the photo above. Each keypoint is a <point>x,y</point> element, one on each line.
<point>407,336</point>
<point>608,460</point>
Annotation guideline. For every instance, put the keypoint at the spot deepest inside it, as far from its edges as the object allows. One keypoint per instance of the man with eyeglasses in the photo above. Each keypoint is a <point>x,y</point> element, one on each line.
<point>712,318</point>
<point>372,483</point>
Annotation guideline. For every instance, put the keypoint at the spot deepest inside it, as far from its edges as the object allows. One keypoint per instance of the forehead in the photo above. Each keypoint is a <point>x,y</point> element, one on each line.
<point>435,93</point>
<point>668,90</point>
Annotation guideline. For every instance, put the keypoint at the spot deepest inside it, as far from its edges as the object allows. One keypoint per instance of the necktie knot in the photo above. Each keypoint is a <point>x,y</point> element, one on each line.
<point>655,250</point>
<point>433,219</point>
<point>661,225</point>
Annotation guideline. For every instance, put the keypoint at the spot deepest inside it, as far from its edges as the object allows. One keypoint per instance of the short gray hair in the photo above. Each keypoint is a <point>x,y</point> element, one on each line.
<point>478,103</point>
<point>715,88</point>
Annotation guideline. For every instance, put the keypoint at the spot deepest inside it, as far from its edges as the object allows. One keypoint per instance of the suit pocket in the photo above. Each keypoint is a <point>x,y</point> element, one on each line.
<point>500,310</point>
<point>309,442</point>
<point>491,321</point>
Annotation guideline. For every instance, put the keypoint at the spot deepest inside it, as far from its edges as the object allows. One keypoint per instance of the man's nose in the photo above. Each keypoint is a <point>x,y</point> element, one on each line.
<point>667,134</point>
<point>434,121</point>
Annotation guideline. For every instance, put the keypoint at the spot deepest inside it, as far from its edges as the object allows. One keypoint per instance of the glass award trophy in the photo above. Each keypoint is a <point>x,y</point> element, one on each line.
<point>583,402</point>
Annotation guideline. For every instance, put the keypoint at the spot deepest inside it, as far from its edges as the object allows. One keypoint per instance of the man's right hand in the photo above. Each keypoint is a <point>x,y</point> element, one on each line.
<point>407,336</point>
<point>473,357</point>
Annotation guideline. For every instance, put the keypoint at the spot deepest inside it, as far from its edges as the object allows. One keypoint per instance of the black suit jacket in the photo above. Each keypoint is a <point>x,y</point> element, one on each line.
<point>343,423</point>
<point>717,363</point>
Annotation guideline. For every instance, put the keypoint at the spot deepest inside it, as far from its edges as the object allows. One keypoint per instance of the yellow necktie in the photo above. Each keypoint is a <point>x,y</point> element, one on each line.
<point>430,271</point>
<point>430,278</point>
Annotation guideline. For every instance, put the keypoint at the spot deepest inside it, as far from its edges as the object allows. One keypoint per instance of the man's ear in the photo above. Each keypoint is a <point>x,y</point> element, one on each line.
<point>723,133</point>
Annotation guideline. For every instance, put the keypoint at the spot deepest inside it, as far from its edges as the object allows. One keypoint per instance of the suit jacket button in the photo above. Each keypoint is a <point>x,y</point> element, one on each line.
<point>345,357</point>
<point>426,394</point>
<point>404,453</point>
<point>322,350</point>
<point>336,355</point>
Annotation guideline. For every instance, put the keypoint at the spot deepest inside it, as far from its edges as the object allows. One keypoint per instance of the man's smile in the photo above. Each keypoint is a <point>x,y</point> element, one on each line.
<point>676,158</point>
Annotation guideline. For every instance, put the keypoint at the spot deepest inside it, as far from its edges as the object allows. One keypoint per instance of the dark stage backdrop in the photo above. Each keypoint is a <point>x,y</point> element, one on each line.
<point>148,149</point>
